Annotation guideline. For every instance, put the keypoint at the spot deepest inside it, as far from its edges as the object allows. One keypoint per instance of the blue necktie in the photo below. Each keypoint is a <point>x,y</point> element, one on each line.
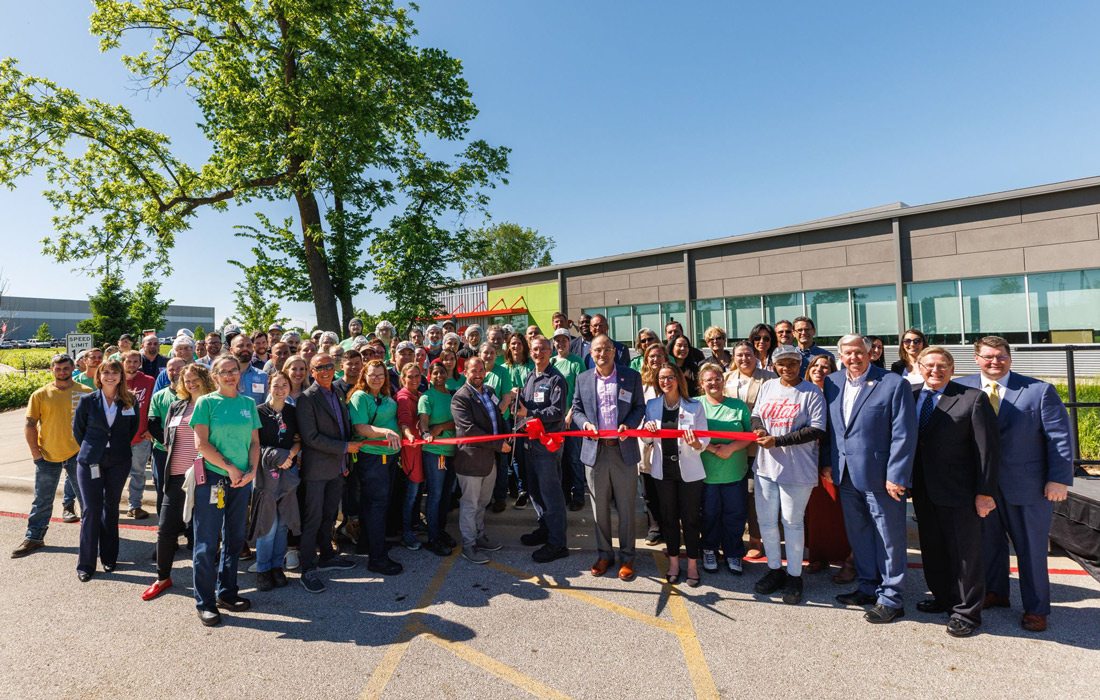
<point>926,408</point>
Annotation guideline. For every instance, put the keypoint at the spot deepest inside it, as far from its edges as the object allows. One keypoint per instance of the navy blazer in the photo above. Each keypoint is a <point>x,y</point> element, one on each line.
<point>878,443</point>
<point>1035,438</point>
<point>631,413</point>
<point>92,432</point>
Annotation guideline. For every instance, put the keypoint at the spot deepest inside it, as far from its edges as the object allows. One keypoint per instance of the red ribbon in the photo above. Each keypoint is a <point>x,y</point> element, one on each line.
<point>552,441</point>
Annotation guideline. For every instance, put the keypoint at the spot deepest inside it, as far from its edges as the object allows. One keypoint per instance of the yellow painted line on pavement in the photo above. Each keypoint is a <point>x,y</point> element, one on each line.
<point>698,670</point>
<point>498,669</point>
<point>382,674</point>
<point>547,582</point>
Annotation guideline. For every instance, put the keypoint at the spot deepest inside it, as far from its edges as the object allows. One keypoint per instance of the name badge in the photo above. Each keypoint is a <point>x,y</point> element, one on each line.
<point>257,387</point>
<point>175,422</point>
<point>625,395</point>
<point>95,471</point>
<point>128,411</point>
<point>541,393</point>
<point>494,399</point>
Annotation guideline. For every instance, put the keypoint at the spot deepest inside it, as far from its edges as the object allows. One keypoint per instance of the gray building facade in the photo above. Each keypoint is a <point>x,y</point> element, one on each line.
<point>25,314</point>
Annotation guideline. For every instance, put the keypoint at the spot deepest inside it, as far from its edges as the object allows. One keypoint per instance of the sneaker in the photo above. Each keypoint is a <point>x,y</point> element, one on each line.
<point>26,547</point>
<point>522,500</point>
<point>247,554</point>
<point>265,581</point>
<point>312,582</point>
<point>548,553</point>
<point>410,542</point>
<point>710,561</point>
<point>475,555</point>
<point>653,539</point>
<point>68,515</point>
<point>137,514</point>
<point>438,548</point>
<point>252,569</point>
<point>385,566</point>
<point>210,618</point>
<point>792,590</point>
<point>486,544</point>
<point>336,563</point>
<point>278,578</point>
<point>498,506</point>
<point>735,566</point>
<point>771,582</point>
<point>236,605</point>
<point>291,561</point>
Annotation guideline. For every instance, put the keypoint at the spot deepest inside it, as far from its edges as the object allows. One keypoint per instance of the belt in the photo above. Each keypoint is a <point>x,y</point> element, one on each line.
<point>610,443</point>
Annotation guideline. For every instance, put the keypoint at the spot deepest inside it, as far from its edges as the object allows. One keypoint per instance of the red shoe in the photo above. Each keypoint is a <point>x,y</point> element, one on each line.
<point>155,589</point>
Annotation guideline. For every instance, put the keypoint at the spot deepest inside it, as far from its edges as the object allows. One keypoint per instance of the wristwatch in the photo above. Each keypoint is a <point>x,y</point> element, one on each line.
<point>426,434</point>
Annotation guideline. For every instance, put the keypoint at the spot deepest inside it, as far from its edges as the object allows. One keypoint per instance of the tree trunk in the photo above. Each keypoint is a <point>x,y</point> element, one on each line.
<point>324,297</point>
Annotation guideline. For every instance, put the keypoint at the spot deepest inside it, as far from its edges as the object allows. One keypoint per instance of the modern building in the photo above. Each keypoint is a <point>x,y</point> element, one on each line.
<point>1024,264</point>
<point>24,315</point>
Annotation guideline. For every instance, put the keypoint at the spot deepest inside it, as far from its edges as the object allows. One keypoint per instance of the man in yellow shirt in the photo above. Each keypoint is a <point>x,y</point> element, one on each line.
<point>49,435</point>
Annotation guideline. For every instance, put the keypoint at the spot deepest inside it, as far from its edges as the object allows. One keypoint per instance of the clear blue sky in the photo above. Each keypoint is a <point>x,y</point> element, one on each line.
<point>636,124</point>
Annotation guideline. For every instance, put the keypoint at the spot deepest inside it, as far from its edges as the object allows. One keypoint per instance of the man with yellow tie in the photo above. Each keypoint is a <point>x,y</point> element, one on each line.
<point>1036,470</point>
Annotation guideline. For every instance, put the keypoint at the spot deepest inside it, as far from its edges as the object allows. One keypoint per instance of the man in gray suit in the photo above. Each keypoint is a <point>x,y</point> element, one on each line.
<point>325,427</point>
<point>609,397</point>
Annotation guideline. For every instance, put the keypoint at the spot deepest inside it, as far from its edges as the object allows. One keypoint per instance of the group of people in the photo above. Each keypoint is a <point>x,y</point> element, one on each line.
<point>270,441</point>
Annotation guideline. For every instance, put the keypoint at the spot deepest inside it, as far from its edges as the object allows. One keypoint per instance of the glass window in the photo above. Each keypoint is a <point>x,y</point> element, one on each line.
<point>933,307</point>
<point>1065,306</point>
<point>648,316</point>
<point>602,310</point>
<point>708,312</point>
<point>620,321</point>
<point>783,307</point>
<point>830,313</point>
<point>744,313</point>
<point>995,306</point>
<point>876,312</point>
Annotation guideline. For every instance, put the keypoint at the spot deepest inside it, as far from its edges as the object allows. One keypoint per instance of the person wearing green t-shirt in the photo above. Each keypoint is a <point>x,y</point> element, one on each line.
<point>449,360</point>
<point>227,432</point>
<point>374,417</point>
<point>436,421</point>
<point>517,360</point>
<point>92,360</point>
<point>725,462</point>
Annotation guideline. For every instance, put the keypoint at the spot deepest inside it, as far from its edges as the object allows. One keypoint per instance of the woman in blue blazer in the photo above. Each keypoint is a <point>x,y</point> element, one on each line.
<point>104,424</point>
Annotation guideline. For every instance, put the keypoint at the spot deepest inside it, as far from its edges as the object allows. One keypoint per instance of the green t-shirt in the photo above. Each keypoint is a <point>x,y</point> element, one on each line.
<point>500,381</point>
<point>454,385</point>
<point>636,363</point>
<point>732,415</point>
<point>86,380</point>
<point>158,406</point>
<point>437,406</point>
<point>519,373</point>
<point>570,366</point>
<point>499,360</point>
<point>348,343</point>
<point>231,422</point>
<point>367,410</point>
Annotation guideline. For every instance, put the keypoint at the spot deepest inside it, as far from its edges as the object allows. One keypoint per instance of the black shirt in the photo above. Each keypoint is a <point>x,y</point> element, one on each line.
<point>670,447</point>
<point>154,366</point>
<point>277,429</point>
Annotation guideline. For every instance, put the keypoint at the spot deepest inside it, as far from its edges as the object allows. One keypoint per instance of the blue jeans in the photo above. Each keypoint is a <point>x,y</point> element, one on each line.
<point>725,510</point>
<point>46,476</point>
<point>210,521</point>
<point>409,509</point>
<point>139,459</point>
<point>775,500</point>
<point>271,548</point>
<point>440,484</point>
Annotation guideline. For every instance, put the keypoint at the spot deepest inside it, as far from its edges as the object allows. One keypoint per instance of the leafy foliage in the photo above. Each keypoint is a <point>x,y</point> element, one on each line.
<point>44,333</point>
<point>110,307</point>
<point>16,389</point>
<point>147,310</point>
<point>506,247</point>
<point>255,310</point>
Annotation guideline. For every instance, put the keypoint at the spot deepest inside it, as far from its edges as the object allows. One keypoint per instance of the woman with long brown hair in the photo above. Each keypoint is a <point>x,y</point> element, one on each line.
<point>912,342</point>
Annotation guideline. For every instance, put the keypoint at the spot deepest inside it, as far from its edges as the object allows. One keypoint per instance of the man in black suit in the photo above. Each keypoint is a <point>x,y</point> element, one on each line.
<point>954,479</point>
<point>325,427</point>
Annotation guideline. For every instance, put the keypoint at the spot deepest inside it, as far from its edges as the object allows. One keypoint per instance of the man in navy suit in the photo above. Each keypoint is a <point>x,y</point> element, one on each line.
<point>609,397</point>
<point>1036,470</point>
<point>872,437</point>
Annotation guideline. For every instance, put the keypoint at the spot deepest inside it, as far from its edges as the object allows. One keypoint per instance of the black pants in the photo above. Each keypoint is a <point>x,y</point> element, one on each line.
<point>374,496</point>
<point>951,552</point>
<point>681,502</point>
<point>99,521</point>
<point>170,525</point>
<point>652,502</point>
<point>322,505</point>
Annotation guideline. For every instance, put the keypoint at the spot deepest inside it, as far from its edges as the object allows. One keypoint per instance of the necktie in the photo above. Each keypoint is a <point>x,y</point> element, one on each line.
<point>995,396</point>
<point>926,408</point>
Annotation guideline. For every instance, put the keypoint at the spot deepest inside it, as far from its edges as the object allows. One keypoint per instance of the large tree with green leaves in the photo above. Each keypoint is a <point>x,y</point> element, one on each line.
<point>110,307</point>
<point>506,247</point>
<point>325,103</point>
<point>147,309</point>
<point>44,334</point>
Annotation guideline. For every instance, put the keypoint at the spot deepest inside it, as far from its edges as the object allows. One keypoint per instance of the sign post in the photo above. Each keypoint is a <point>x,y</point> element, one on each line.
<point>75,342</point>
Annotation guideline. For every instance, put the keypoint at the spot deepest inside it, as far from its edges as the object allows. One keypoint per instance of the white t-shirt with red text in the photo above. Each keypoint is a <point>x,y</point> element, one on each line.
<point>785,409</point>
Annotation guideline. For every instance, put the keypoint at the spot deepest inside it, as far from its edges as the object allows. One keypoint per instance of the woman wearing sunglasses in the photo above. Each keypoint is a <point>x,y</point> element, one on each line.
<point>912,342</point>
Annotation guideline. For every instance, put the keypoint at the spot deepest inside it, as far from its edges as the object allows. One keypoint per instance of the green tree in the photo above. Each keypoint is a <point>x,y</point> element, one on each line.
<point>147,311</point>
<point>254,309</point>
<point>110,307</point>
<point>44,333</point>
<point>200,332</point>
<point>315,102</point>
<point>506,247</point>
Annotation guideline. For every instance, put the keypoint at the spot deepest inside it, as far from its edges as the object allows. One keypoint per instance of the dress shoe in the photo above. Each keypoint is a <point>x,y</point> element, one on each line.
<point>26,547</point>
<point>626,571</point>
<point>210,618</point>
<point>881,614</point>
<point>932,606</point>
<point>264,581</point>
<point>534,539</point>
<point>279,578</point>
<point>109,568</point>
<point>498,506</point>
<point>447,540</point>
<point>600,567</point>
<point>958,627</point>
<point>83,576</point>
<point>522,499</point>
<point>1033,622</point>
<point>847,574</point>
<point>548,553</point>
<point>137,514</point>
<point>856,598</point>
<point>995,600</point>
<point>238,605</point>
<point>384,566</point>
<point>576,503</point>
<point>156,588</point>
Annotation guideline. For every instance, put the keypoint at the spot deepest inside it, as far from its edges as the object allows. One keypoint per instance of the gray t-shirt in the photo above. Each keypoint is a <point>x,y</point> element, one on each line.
<point>785,409</point>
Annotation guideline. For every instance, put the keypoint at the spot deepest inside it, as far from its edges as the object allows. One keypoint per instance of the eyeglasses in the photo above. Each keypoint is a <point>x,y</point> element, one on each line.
<point>994,358</point>
<point>328,367</point>
<point>229,372</point>
<point>938,367</point>
<point>912,341</point>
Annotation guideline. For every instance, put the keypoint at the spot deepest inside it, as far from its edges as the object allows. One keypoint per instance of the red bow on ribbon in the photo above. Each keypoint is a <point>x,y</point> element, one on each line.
<point>537,431</point>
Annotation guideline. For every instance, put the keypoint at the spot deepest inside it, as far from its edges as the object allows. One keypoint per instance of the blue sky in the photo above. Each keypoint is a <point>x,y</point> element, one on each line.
<point>637,124</point>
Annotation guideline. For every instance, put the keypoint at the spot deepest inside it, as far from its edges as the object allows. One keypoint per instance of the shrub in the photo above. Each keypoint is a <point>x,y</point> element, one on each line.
<point>16,389</point>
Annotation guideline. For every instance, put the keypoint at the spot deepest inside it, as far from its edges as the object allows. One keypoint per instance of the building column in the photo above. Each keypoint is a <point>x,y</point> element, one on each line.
<point>899,280</point>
